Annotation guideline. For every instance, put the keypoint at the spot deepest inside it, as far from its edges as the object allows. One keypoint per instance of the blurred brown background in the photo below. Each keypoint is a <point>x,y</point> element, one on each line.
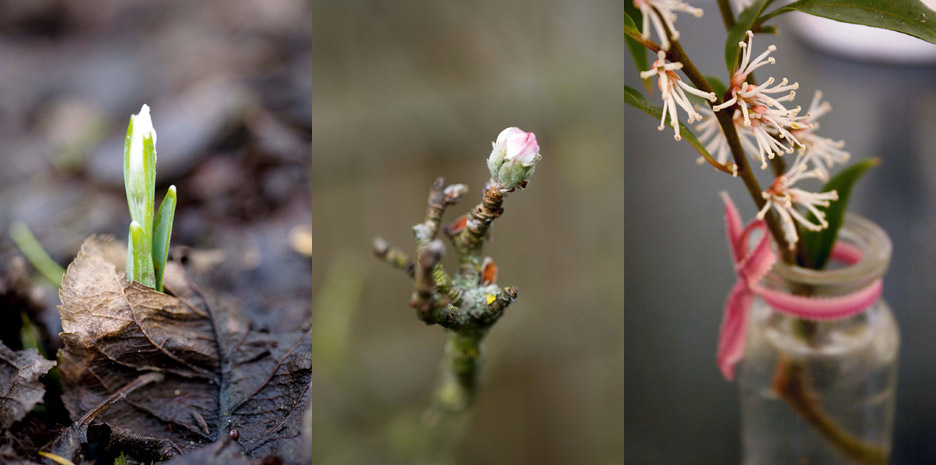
<point>329,120</point>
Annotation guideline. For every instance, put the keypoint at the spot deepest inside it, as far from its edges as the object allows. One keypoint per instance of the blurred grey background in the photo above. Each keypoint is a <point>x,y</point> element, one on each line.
<point>678,409</point>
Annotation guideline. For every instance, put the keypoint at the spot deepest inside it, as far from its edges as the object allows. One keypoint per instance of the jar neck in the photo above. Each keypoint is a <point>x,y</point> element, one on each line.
<point>857,234</point>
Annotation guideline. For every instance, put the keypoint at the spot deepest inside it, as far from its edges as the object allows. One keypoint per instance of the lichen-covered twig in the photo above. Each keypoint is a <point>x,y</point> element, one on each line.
<point>471,302</point>
<point>394,256</point>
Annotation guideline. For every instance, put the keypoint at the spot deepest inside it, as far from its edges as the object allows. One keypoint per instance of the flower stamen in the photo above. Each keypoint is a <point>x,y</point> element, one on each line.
<point>673,91</point>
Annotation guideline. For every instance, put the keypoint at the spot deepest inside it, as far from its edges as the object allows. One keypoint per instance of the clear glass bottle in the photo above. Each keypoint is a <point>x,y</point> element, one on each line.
<point>822,392</point>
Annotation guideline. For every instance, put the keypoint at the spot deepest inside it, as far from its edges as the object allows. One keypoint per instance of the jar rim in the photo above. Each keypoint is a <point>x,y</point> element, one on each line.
<point>861,232</point>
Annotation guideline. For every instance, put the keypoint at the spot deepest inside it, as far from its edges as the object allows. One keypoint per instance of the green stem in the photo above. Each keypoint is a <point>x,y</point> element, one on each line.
<point>790,384</point>
<point>459,371</point>
<point>763,18</point>
<point>651,45</point>
<point>724,6</point>
<point>677,53</point>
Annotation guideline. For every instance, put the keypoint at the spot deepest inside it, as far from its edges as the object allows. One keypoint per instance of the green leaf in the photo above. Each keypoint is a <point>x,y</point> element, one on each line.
<point>766,29</point>
<point>149,164</point>
<point>818,244</point>
<point>139,257</point>
<point>910,17</point>
<point>162,230</point>
<point>638,52</point>
<point>717,85</point>
<point>746,21</point>
<point>634,98</point>
<point>633,16</point>
<point>140,186</point>
<point>37,256</point>
<point>126,163</point>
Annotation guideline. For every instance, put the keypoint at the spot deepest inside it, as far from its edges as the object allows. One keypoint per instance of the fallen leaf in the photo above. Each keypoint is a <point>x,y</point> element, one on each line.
<point>225,452</point>
<point>20,388</point>
<point>220,374</point>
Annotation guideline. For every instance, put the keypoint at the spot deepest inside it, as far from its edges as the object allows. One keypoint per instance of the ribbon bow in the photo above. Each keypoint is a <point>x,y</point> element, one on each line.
<point>752,265</point>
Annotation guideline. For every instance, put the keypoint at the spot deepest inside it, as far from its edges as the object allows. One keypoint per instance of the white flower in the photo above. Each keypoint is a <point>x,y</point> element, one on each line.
<point>712,136</point>
<point>768,120</point>
<point>772,138</point>
<point>784,199</point>
<point>139,176</point>
<point>673,91</point>
<point>142,128</point>
<point>822,151</point>
<point>667,16</point>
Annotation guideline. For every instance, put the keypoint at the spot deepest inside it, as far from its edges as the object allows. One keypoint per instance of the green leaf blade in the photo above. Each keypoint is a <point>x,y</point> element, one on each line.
<point>634,98</point>
<point>35,253</point>
<point>149,165</point>
<point>637,50</point>
<point>162,232</point>
<point>139,257</point>
<point>910,17</point>
<point>818,245</point>
<point>717,85</point>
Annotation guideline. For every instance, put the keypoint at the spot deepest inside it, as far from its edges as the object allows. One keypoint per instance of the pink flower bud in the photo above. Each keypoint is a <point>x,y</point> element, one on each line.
<point>513,158</point>
<point>518,146</point>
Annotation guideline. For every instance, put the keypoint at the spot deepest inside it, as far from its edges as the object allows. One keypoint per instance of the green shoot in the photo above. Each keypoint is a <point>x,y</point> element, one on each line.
<point>37,256</point>
<point>140,257</point>
<point>162,230</point>
<point>148,244</point>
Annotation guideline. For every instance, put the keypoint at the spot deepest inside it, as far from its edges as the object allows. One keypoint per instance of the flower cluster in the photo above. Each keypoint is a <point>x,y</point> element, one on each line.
<point>768,126</point>
<point>764,118</point>
<point>768,121</point>
<point>673,91</point>
<point>784,198</point>
<point>823,152</point>
<point>662,13</point>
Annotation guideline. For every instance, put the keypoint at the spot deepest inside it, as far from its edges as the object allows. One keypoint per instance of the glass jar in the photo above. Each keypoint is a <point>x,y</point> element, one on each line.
<point>822,392</point>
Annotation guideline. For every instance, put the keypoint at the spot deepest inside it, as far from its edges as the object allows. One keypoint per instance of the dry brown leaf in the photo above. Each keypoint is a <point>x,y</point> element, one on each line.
<point>20,388</point>
<point>219,373</point>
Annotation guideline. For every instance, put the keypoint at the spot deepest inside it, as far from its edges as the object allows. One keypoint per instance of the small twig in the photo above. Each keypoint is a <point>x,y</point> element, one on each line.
<point>470,240</point>
<point>428,256</point>
<point>440,197</point>
<point>724,7</point>
<point>653,46</point>
<point>468,305</point>
<point>394,256</point>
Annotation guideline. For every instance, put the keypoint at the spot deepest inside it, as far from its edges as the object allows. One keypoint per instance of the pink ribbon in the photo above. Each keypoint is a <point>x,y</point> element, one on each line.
<point>752,265</point>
